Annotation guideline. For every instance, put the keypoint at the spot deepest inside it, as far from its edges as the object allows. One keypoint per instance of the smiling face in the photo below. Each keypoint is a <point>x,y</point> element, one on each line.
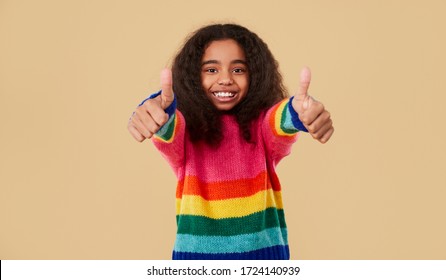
<point>224,74</point>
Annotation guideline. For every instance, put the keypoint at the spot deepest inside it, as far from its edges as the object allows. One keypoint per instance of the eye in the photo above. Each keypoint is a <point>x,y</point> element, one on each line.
<point>210,70</point>
<point>239,70</point>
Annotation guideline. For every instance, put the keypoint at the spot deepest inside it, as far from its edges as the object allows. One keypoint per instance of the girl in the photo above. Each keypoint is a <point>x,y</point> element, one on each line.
<point>223,122</point>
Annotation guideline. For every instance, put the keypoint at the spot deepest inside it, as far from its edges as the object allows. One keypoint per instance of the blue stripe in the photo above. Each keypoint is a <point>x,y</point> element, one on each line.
<point>297,124</point>
<point>280,252</point>
<point>169,110</point>
<point>231,244</point>
<point>153,95</point>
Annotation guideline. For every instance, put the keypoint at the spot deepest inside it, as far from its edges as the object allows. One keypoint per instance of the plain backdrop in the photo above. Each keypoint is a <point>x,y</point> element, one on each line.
<point>75,185</point>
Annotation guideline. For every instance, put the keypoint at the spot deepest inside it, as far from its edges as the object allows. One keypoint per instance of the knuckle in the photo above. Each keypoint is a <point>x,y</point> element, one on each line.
<point>138,137</point>
<point>143,132</point>
<point>149,102</point>
<point>146,106</point>
<point>328,115</point>
<point>327,135</point>
<point>161,120</point>
<point>139,112</point>
<point>316,135</point>
<point>320,106</point>
<point>311,128</point>
<point>153,128</point>
<point>133,121</point>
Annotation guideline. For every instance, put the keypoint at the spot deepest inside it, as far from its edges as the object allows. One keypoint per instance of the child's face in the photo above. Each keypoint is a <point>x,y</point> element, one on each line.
<point>224,73</point>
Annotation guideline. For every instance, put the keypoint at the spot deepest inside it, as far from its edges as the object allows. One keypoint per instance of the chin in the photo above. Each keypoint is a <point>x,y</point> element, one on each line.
<point>225,108</point>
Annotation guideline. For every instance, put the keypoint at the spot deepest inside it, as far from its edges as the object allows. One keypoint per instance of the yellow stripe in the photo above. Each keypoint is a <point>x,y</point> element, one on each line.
<point>228,208</point>
<point>278,118</point>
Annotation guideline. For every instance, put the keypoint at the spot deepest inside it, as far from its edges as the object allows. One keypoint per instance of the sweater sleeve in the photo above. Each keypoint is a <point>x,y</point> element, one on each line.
<point>169,139</point>
<point>280,129</point>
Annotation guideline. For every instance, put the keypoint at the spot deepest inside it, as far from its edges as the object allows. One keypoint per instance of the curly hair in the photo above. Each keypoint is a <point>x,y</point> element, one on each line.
<point>265,89</point>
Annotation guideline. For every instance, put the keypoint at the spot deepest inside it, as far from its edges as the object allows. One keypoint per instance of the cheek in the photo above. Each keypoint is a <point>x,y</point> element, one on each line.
<point>206,82</point>
<point>203,84</point>
<point>244,83</point>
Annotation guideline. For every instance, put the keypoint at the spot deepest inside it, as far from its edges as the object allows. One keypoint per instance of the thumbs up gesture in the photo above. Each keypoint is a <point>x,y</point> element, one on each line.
<point>150,117</point>
<point>311,112</point>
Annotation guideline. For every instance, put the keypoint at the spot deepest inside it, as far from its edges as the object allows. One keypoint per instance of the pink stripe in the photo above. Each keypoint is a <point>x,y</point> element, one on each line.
<point>202,159</point>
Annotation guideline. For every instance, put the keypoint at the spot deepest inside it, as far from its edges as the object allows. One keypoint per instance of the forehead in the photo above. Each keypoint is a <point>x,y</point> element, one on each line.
<point>224,50</point>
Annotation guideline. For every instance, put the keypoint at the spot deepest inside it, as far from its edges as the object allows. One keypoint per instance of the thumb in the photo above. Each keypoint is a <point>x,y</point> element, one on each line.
<point>166,88</point>
<point>302,92</point>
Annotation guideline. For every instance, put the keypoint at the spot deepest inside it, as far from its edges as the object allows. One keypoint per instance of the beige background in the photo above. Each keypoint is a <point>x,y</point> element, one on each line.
<point>75,185</point>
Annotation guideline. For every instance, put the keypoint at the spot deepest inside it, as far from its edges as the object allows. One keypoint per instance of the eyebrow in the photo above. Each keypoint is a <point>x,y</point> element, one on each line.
<point>213,61</point>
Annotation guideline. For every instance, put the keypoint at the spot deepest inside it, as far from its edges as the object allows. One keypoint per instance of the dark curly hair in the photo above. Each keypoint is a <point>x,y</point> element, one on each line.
<point>265,83</point>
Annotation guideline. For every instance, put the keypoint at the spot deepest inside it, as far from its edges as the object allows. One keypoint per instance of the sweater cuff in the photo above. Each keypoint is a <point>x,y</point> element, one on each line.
<point>295,117</point>
<point>169,110</point>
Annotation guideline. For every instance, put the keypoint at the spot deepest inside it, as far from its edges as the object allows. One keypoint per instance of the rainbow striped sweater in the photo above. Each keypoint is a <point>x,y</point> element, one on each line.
<point>228,199</point>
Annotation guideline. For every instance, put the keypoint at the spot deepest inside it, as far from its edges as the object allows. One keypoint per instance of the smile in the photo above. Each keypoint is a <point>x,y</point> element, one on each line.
<point>223,94</point>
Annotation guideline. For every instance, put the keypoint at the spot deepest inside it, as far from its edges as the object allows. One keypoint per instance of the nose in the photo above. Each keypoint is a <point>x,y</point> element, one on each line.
<point>225,79</point>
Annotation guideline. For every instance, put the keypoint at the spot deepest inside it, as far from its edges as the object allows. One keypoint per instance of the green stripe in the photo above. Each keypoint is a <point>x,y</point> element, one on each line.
<point>231,244</point>
<point>199,225</point>
<point>167,130</point>
<point>285,122</point>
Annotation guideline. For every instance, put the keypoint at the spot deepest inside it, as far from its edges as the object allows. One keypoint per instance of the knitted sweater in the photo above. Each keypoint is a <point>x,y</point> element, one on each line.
<point>228,199</point>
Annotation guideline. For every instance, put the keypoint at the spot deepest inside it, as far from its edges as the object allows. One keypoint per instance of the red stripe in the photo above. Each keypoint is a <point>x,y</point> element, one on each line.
<point>192,185</point>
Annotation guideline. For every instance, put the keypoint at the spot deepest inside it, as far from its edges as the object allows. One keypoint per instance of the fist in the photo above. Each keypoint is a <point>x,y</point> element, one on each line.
<point>312,113</point>
<point>150,117</point>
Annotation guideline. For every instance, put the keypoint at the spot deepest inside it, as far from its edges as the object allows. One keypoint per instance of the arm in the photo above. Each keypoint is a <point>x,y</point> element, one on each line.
<point>280,127</point>
<point>157,118</point>
<point>299,113</point>
<point>169,139</point>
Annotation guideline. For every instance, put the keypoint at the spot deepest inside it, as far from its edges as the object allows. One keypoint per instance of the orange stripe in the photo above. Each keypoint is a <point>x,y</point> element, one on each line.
<point>272,119</point>
<point>192,185</point>
<point>275,120</point>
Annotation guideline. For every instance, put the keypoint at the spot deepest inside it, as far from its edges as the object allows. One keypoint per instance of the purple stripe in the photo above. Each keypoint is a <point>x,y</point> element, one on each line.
<point>279,252</point>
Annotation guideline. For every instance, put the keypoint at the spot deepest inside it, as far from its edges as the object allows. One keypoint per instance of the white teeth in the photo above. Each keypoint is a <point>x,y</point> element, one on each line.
<point>224,94</point>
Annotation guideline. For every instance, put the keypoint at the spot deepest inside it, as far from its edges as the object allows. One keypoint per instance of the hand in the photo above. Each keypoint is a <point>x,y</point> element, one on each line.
<point>150,117</point>
<point>311,112</point>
